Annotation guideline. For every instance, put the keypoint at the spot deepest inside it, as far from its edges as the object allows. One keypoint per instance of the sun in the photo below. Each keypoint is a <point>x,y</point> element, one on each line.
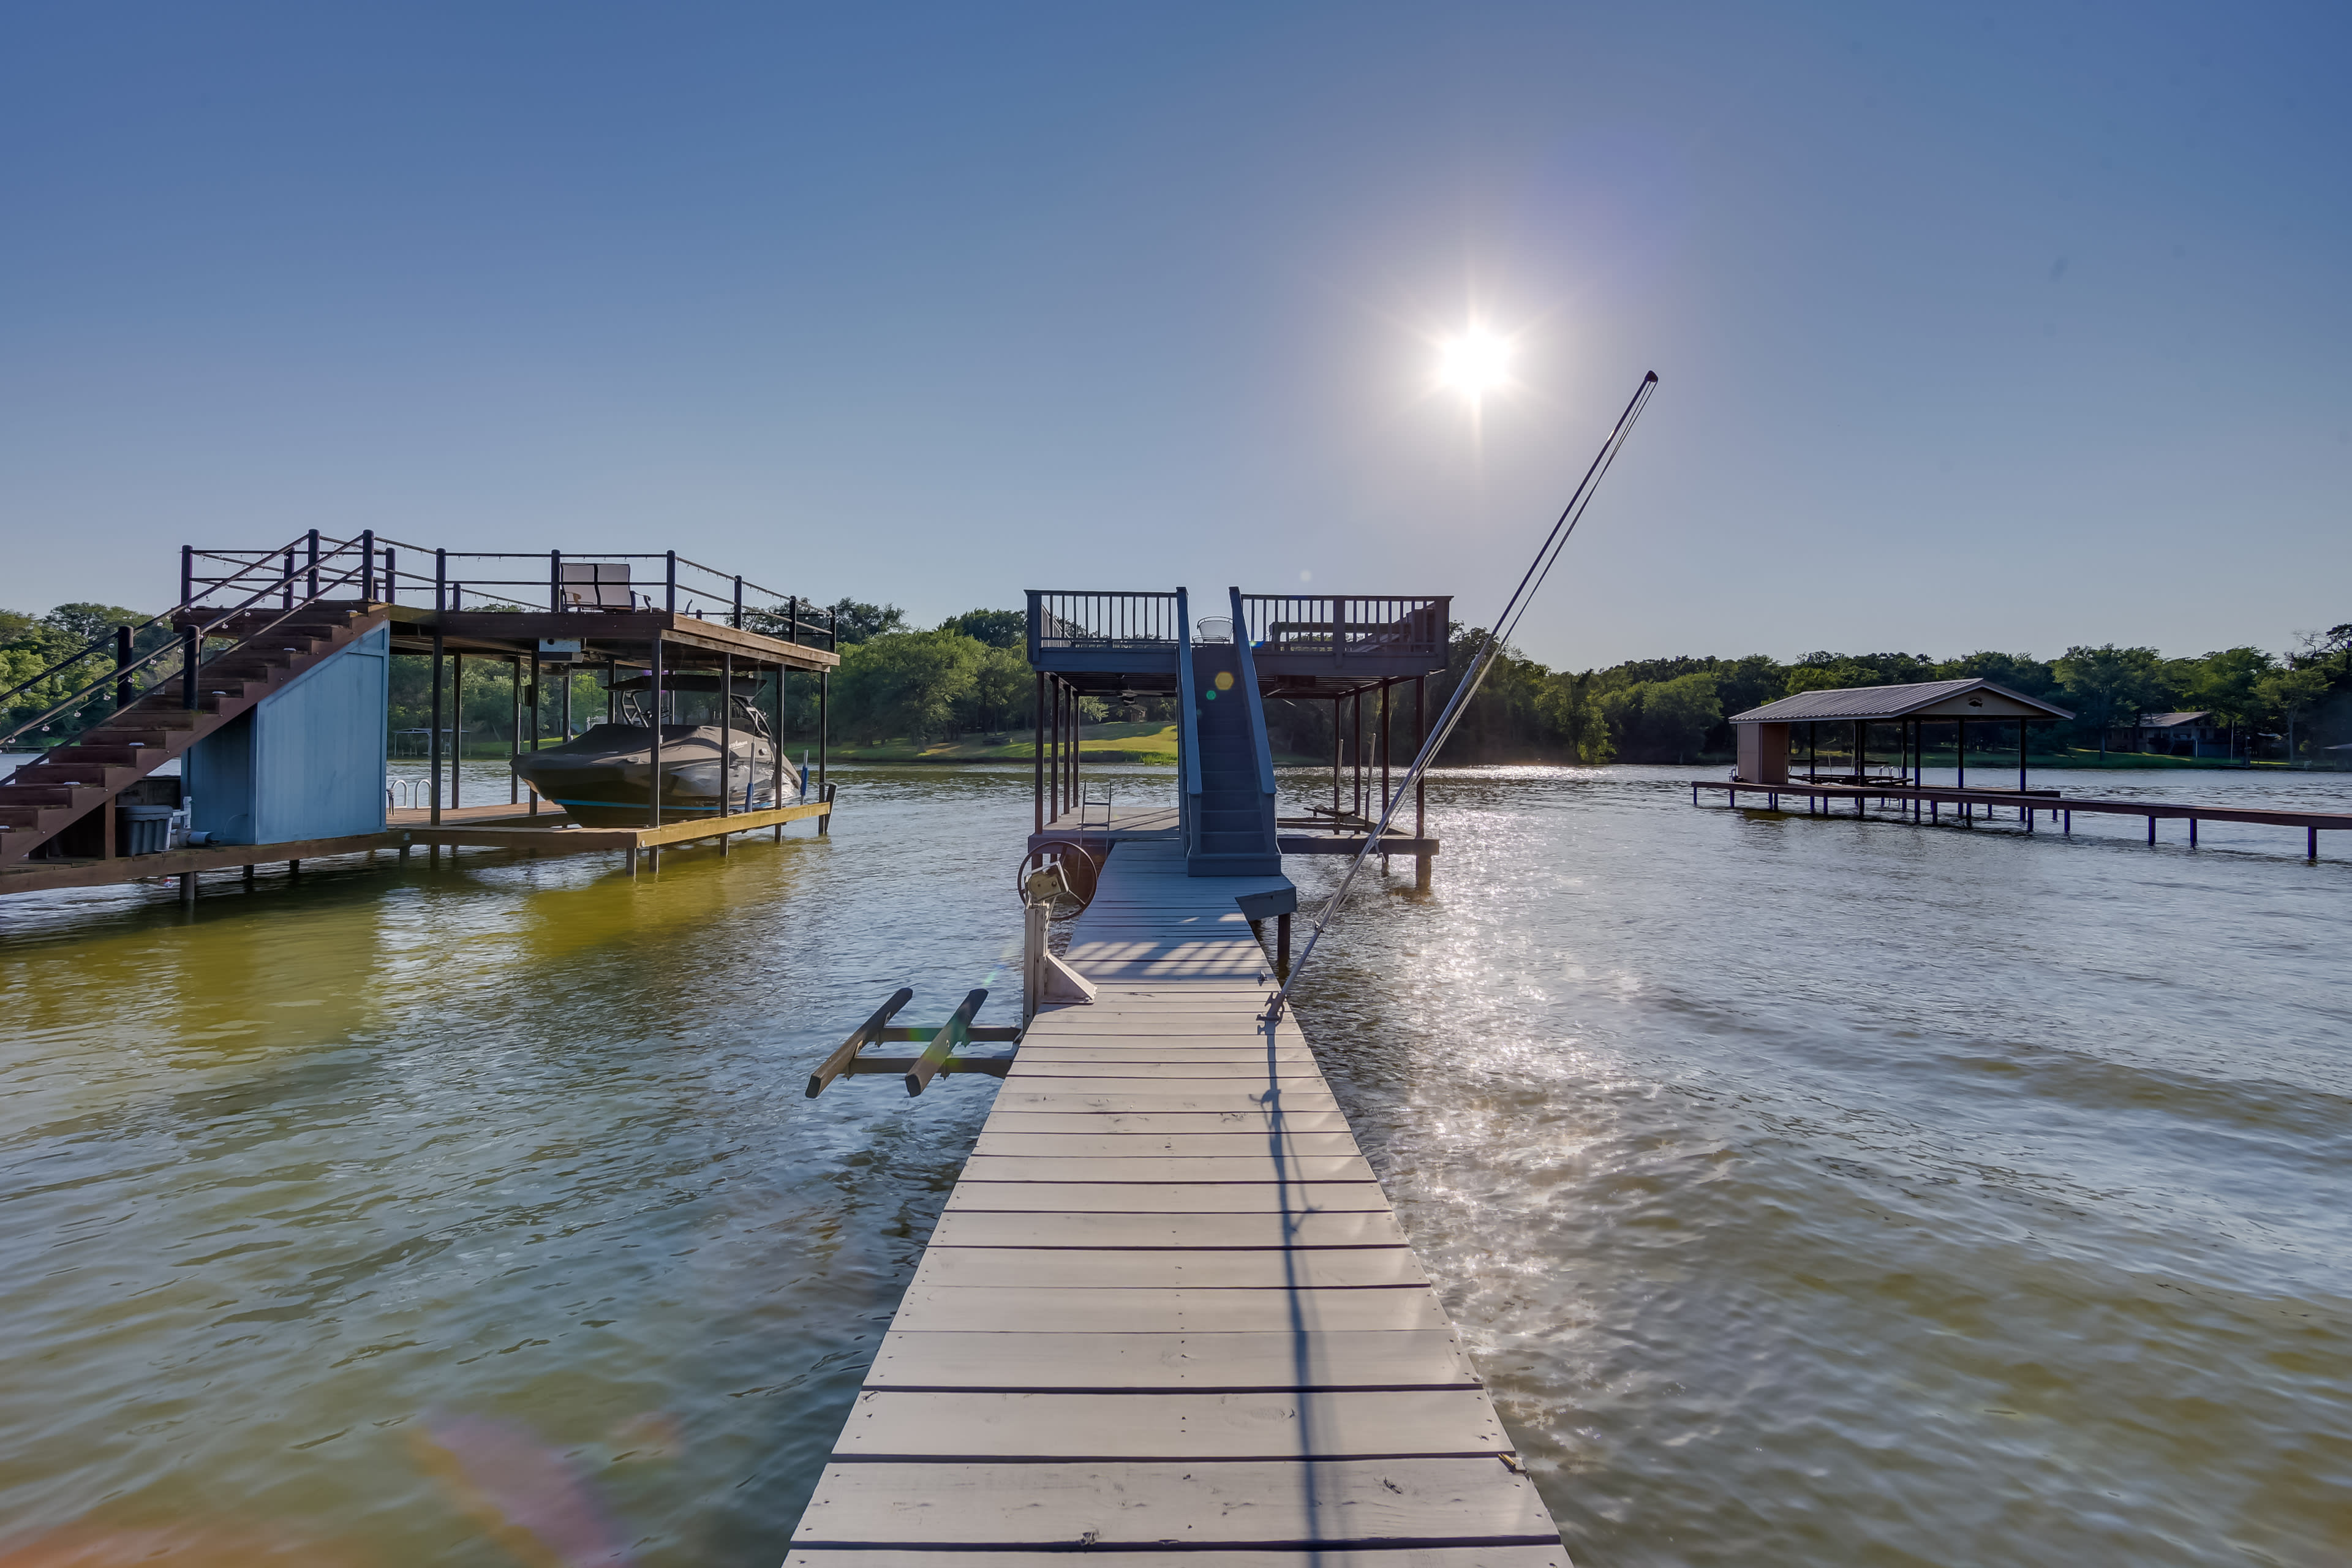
<point>1474,363</point>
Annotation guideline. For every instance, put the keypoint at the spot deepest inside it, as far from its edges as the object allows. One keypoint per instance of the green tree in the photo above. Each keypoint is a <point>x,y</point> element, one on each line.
<point>2290,693</point>
<point>858,622</point>
<point>909,684</point>
<point>1679,712</point>
<point>997,628</point>
<point>1004,688</point>
<point>2108,686</point>
<point>2020,672</point>
<point>2228,682</point>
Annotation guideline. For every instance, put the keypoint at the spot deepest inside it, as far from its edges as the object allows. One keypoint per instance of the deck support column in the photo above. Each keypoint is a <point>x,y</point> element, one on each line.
<point>1421,784</point>
<point>1335,752</point>
<point>1357,750</point>
<point>1282,941</point>
<point>433,747</point>
<point>188,888</point>
<point>514,728</point>
<point>456,727</point>
<point>1384,763</point>
<point>653,691</point>
<point>727,742</point>
<point>776,753</point>
<point>534,718</point>
<point>1037,750</point>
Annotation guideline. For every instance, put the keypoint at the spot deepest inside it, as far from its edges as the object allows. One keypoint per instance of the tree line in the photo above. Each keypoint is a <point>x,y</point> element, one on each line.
<point>970,674</point>
<point>1676,709</point>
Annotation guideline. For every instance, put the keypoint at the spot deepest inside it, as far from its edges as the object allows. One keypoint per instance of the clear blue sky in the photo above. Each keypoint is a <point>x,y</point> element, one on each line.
<point>1977,327</point>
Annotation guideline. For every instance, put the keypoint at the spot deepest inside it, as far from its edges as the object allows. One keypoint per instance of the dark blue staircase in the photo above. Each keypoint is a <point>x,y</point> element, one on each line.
<point>1232,828</point>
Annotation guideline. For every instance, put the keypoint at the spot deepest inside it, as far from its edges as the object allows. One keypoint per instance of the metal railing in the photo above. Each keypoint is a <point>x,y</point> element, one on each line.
<point>1340,624</point>
<point>1060,618</point>
<point>314,567</point>
<point>566,581</point>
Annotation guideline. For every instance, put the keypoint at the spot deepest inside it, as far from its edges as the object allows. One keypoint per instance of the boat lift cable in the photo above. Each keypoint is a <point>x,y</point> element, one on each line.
<point>1497,639</point>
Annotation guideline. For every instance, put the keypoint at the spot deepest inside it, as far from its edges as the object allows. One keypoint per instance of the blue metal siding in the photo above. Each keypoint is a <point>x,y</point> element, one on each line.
<point>308,761</point>
<point>220,770</point>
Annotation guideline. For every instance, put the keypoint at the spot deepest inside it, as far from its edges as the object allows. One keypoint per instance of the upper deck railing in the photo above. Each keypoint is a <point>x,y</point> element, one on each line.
<point>1339,627</point>
<point>1342,626</point>
<point>563,582</point>
<point>1067,618</point>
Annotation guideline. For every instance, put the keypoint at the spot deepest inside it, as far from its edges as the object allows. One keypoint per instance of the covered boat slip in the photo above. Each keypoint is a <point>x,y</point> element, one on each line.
<point>1767,738</point>
<point>1765,753</point>
<point>1168,1313</point>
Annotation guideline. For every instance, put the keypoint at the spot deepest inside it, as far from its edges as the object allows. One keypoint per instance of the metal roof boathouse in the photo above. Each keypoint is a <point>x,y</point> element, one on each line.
<point>1765,732</point>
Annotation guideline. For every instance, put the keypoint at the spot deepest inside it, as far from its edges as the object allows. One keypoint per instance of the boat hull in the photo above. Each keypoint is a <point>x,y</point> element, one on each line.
<point>602,779</point>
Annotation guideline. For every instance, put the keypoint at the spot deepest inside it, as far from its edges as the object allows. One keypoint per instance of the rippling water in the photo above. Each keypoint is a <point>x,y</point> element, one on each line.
<point>1809,1190</point>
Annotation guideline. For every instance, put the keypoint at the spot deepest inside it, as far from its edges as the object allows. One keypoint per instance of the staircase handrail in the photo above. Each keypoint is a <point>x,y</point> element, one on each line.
<point>1188,732</point>
<point>96,644</point>
<point>195,634</point>
<point>1248,680</point>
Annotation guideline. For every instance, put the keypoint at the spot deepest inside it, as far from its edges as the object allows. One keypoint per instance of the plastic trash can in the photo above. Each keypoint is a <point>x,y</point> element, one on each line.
<point>147,829</point>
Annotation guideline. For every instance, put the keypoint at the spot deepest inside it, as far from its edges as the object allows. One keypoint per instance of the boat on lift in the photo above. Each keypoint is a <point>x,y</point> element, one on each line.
<point>603,777</point>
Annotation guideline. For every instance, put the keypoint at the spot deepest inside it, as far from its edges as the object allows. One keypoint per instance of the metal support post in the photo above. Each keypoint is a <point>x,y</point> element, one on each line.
<point>653,672</point>
<point>312,581</point>
<point>367,565</point>
<point>432,737</point>
<point>188,575</point>
<point>188,888</point>
<point>669,584</point>
<point>726,738</point>
<point>534,717</point>
<point>1282,946</point>
<point>776,753</point>
<point>514,728</point>
<point>555,584</point>
<point>1037,750</point>
<point>456,727</point>
<point>1356,754</point>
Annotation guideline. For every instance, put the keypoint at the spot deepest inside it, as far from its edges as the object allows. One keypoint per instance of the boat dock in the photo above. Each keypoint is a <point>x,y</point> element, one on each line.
<point>1168,1311</point>
<point>269,683</point>
<point>1967,807</point>
<point>1905,714</point>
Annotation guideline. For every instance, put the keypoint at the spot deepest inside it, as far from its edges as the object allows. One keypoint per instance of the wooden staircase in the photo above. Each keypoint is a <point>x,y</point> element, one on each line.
<point>44,798</point>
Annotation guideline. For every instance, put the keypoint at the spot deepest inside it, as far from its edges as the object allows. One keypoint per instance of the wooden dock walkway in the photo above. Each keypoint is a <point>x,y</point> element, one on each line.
<point>1168,1313</point>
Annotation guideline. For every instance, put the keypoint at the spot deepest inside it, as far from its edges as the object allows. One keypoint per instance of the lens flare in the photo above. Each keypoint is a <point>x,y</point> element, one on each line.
<point>1474,363</point>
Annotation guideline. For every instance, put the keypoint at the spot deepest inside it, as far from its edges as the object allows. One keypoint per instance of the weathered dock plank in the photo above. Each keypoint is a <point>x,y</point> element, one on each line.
<point>1167,1311</point>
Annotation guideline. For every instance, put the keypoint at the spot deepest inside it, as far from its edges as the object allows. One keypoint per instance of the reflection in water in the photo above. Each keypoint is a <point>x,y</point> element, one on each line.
<point>1810,1191</point>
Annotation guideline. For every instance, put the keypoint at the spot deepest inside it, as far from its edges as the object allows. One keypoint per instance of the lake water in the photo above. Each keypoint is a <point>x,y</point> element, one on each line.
<point>1809,1191</point>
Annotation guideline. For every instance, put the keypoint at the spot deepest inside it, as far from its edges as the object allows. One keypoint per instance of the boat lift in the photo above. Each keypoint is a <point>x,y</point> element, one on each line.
<point>1045,979</point>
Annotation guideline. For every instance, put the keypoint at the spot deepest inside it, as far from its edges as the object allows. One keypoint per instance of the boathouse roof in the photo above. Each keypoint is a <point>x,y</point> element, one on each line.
<point>1970,698</point>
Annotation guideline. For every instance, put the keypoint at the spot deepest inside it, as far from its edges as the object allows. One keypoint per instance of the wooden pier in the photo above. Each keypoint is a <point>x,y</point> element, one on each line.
<point>1168,1313</point>
<point>1915,802</point>
<point>500,826</point>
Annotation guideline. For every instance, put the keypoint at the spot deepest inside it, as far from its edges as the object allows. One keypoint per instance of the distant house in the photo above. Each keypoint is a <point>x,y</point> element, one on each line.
<point>2176,735</point>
